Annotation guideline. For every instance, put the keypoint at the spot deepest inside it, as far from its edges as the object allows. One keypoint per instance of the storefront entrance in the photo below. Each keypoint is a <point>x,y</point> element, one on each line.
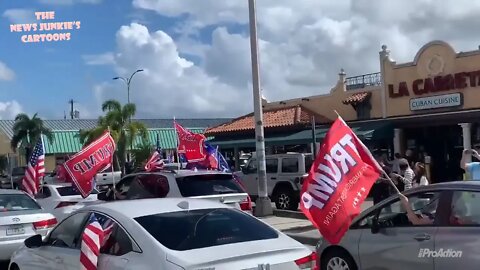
<point>443,143</point>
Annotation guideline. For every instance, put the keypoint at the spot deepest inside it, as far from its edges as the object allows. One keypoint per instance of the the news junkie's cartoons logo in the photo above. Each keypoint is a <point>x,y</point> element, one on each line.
<point>48,31</point>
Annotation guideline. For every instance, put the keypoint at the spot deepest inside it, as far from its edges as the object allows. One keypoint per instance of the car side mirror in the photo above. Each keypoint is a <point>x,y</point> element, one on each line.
<point>244,170</point>
<point>375,228</point>
<point>102,196</point>
<point>34,241</point>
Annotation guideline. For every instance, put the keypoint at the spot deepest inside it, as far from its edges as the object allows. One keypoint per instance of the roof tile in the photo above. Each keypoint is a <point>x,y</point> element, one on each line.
<point>357,98</point>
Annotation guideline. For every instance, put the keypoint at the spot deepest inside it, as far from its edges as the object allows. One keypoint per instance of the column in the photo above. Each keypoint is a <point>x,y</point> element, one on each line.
<point>397,141</point>
<point>384,56</point>
<point>467,137</point>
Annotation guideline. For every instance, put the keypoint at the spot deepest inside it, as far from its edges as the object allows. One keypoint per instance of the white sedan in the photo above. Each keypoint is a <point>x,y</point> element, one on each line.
<point>62,199</point>
<point>169,234</point>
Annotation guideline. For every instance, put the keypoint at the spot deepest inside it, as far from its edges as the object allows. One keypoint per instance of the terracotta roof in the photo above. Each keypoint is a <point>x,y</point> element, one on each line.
<point>357,98</point>
<point>278,117</point>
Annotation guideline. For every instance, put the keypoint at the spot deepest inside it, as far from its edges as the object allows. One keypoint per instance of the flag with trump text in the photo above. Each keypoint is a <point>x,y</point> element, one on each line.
<point>84,165</point>
<point>35,169</point>
<point>339,181</point>
<point>190,144</point>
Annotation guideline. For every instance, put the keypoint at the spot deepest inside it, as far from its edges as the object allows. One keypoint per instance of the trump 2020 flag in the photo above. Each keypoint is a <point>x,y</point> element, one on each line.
<point>339,181</point>
<point>190,144</point>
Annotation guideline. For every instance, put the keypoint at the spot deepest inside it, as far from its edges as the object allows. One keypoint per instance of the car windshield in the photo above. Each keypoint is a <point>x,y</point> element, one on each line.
<point>17,202</point>
<point>71,191</point>
<point>186,230</point>
<point>208,184</point>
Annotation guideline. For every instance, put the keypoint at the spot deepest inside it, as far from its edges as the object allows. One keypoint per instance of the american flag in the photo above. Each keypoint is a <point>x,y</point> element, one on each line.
<point>35,169</point>
<point>92,239</point>
<point>156,160</point>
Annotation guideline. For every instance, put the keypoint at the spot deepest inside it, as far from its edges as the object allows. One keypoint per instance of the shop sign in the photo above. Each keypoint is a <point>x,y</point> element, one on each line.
<point>435,102</point>
<point>441,83</point>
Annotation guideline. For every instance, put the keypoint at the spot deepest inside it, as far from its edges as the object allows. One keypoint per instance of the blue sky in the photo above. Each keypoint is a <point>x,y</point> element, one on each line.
<point>48,74</point>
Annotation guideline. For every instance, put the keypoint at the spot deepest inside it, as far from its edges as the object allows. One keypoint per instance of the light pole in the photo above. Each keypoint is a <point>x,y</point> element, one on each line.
<point>263,205</point>
<point>127,81</point>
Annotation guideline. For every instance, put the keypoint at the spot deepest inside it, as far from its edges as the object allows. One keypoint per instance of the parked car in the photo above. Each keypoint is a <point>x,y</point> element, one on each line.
<point>285,174</point>
<point>106,179</point>
<point>170,234</point>
<point>63,199</point>
<point>17,175</point>
<point>20,218</point>
<point>382,237</point>
<point>212,185</point>
<point>5,182</point>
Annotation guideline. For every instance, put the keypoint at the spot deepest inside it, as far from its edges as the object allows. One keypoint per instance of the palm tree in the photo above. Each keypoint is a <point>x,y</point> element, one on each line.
<point>27,131</point>
<point>123,130</point>
<point>141,153</point>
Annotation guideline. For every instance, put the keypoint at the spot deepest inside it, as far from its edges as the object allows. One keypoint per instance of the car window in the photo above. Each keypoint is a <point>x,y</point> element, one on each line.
<point>67,233</point>
<point>116,241</point>
<point>148,186</point>
<point>308,163</point>
<point>18,171</point>
<point>208,184</point>
<point>252,166</point>
<point>289,165</point>
<point>124,185</point>
<point>465,209</point>
<point>17,202</point>
<point>186,230</point>
<point>271,165</point>
<point>44,192</point>
<point>423,204</point>
<point>71,191</point>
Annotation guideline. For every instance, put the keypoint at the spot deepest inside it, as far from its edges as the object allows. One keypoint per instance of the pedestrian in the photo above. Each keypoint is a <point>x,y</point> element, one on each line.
<point>404,179</point>
<point>420,178</point>
<point>471,168</point>
<point>395,163</point>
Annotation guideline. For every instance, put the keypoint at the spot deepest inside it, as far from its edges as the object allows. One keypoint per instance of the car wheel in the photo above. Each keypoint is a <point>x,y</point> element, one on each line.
<point>284,199</point>
<point>14,267</point>
<point>338,260</point>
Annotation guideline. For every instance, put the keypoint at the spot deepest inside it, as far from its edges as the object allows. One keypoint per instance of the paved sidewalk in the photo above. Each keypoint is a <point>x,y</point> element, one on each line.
<point>288,224</point>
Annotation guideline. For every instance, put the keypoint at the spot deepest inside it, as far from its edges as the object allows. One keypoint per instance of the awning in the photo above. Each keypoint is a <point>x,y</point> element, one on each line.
<point>372,130</point>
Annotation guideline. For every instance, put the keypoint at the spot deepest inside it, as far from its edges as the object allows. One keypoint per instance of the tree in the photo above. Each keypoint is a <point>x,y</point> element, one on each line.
<point>141,153</point>
<point>123,130</point>
<point>27,131</point>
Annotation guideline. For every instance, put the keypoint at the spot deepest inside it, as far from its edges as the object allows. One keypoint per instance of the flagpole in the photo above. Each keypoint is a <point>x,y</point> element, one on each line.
<point>113,173</point>
<point>176,140</point>
<point>382,170</point>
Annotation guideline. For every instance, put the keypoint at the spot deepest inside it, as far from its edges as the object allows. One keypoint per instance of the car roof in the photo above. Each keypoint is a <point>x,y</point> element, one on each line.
<point>145,207</point>
<point>449,185</point>
<point>57,185</point>
<point>184,172</point>
<point>10,191</point>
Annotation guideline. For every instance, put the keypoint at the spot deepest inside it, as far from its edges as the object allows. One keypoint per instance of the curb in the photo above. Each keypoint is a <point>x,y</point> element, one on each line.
<point>303,239</point>
<point>289,214</point>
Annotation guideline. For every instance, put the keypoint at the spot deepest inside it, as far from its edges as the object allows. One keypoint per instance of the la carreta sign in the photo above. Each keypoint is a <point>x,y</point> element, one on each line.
<point>436,84</point>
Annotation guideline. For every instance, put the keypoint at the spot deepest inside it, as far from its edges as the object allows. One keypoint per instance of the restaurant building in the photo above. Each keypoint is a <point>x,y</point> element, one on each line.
<point>430,106</point>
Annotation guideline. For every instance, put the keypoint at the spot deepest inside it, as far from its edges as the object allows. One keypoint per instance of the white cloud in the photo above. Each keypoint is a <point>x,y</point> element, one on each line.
<point>10,109</point>
<point>69,2</point>
<point>6,74</point>
<point>170,85</point>
<point>303,46</point>
<point>99,59</point>
<point>20,15</point>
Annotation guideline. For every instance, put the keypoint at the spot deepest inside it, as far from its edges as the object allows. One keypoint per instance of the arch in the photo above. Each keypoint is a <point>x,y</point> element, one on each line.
<point>429,44</point>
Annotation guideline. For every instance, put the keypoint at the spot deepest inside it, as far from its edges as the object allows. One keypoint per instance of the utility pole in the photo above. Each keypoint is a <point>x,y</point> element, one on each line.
<point>263,205</point>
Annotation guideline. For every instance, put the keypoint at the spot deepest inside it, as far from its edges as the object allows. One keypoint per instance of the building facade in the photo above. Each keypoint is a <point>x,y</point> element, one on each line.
<point>431,105</point>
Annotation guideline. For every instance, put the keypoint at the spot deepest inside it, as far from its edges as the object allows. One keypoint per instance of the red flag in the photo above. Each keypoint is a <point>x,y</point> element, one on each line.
<point>84,165</point>
<point>339,181</point>
<point>190,144</point>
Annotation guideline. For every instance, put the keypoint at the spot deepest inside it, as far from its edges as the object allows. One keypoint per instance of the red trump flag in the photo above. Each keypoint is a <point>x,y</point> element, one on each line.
<point>190,144</point>
<point>339,181</point>
<point>84,165</point>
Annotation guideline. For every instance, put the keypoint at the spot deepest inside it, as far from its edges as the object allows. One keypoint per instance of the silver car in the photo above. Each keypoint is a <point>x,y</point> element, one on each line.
<point>383,238</point>
<point>20,218</point>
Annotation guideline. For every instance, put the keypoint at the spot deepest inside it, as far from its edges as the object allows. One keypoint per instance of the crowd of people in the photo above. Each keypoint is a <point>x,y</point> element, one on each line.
<point>401,173</point>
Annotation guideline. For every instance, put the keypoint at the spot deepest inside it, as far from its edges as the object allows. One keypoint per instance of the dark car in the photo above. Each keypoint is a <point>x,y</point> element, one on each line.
<point>17,175</point>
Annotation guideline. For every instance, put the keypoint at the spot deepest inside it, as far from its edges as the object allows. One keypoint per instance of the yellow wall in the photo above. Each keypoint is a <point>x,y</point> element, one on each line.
<point>436,58</point>
<point>50,163</point>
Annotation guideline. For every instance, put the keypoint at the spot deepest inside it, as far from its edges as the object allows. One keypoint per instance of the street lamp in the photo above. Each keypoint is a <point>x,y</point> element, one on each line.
<point>263,205</point>
<point>127,81</point>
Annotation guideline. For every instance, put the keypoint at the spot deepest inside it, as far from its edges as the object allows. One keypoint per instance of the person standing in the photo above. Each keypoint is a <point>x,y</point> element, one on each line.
<point>396,163</point>
<point>420,178</point>
<point>472,168</point>
<point>405,178</point>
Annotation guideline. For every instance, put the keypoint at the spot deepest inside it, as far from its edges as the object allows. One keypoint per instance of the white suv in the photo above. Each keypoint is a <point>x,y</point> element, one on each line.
<point>285,174</point>
<point>203,184</point>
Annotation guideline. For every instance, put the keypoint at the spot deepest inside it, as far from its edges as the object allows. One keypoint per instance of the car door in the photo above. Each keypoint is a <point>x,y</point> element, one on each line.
<point>249,177</point>
<point>272,169</point>
<point>60,248</point>
<point>390,241</point>
<point>289,170</point>
<point>457,242</point>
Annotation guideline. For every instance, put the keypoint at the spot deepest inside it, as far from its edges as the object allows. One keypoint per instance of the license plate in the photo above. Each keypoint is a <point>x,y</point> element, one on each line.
<point>15,230</point>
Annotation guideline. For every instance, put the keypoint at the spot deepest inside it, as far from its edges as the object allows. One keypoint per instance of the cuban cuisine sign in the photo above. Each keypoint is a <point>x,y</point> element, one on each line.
<point>435,102</point>
<point>339,181</point>
<point>441,83</point>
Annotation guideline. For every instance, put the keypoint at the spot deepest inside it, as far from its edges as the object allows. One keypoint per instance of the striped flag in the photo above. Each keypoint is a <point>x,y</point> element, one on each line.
<point>156,160</point>
<point>35,169</point>
<point>92,239</point>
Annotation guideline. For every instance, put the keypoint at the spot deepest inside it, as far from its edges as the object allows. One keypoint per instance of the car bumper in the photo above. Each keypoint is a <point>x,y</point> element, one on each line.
<point>8,247</point>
